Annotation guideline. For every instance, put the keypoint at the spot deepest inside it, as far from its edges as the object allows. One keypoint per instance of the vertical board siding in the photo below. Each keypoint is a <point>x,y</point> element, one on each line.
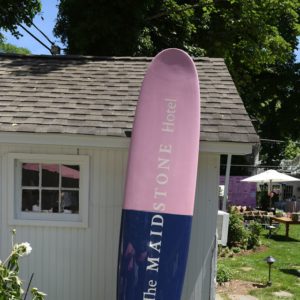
<point>200,262</point>
<point>81,263</point>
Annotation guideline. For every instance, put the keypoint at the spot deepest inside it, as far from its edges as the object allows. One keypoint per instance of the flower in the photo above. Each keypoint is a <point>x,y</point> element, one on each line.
<point>22,249</point>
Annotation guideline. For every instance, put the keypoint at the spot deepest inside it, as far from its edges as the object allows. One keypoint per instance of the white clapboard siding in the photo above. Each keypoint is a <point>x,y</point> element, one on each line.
<point>81,263</point>
<point>201,268</point>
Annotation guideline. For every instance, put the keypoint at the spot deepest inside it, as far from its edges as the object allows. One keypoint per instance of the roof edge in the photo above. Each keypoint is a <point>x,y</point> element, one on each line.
<point>95,58</point>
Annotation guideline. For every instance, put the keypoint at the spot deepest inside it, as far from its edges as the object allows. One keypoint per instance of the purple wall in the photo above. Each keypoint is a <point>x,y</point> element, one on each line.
<point>240,193</point>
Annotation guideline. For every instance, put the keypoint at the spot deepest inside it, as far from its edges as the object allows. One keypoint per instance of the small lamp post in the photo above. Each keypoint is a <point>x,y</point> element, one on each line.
<point>270,260</point>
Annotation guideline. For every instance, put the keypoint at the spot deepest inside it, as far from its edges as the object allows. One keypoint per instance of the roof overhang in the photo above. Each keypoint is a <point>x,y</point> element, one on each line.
<point>110,142</point>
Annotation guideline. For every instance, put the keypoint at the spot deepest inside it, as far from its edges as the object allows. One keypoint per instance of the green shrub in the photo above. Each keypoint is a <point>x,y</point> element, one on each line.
<point>236,249</point>
<point>224,274</point>
<point>254,234</point>
<point>237,233</point>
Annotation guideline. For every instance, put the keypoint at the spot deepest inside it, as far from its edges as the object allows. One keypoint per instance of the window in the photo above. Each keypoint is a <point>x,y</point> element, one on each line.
<point>48,189</point>
<point>287,191</point>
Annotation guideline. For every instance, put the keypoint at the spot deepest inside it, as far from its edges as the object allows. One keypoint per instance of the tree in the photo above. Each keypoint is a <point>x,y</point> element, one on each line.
<point>292,150</point>
<point>9,48</point>
<point>273,99</point>
<point>237,30</point>
<point>14,12</point>
<point>100,27</point>
<point>256,38</point>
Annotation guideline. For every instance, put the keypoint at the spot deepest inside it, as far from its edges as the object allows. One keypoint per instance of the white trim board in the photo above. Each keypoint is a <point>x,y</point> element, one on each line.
<point>110,142</point>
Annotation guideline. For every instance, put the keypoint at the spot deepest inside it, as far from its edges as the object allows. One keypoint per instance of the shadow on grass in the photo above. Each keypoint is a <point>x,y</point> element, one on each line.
<point>281,238</point>
<point>291,272</point>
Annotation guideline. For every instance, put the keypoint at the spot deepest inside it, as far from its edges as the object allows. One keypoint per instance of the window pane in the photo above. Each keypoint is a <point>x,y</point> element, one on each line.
<point>50,201</point>
<point>70,201</point>
<point>50,175</point>
<point>70,176</point>
<point>30,174</point>
<point>30,200</point>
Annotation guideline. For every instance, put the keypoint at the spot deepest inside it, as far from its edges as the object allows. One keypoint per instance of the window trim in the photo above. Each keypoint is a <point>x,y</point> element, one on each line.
<point>17,217</point>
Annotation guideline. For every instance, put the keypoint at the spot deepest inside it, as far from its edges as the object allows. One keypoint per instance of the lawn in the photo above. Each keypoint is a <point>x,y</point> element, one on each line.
<point>285,271</point>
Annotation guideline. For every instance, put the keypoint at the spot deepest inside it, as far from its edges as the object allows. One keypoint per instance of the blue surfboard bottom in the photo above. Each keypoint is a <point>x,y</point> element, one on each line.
<point>152,255</point>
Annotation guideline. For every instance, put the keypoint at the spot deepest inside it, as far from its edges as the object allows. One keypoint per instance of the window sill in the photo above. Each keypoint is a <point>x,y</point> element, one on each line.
<point>48,223</point>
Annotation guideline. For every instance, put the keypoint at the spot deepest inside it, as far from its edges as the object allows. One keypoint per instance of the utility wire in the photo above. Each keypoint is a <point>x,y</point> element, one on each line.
<point>37,39</point>
<point>276,141</point>
<point>252,166</point>
<point>54,48</point>
<point>39,30</point>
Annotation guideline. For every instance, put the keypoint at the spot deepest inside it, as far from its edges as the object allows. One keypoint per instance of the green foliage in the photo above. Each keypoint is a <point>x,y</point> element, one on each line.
<point>285,274</point>
<point>292,150</point>
<point>237,234</point>
<point>224,274</point>
<point>9,48</point>
<point>13,12</point>
<point>241,237</point>
<point>257,39</point>
<point>225,251</point>
<point>10,283</point>
<point>236,250</point>
<point>102,27</point>
<point>255,230</point>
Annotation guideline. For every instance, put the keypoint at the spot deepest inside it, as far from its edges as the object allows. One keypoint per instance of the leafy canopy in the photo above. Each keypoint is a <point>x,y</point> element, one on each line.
<point>256,38</point>
<point>14,12</point>
<point>9,48</point>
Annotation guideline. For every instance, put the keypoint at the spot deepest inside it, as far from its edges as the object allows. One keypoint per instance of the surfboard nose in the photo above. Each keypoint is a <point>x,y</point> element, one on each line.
<point>177,60</point>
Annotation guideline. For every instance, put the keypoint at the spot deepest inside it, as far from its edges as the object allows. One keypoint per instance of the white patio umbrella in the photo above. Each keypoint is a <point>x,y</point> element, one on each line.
<point>270,176</point>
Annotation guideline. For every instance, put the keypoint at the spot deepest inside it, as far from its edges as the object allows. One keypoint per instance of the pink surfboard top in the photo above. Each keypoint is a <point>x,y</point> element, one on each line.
<point>163,157</point>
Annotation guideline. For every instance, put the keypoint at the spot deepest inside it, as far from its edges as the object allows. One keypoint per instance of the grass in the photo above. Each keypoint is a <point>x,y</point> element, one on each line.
<point>285,271</point>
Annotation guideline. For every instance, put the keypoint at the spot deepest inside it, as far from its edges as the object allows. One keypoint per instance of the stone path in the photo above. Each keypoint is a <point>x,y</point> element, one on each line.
<point>283,294</point>
<point>237,297</point>
<point>242,297</point>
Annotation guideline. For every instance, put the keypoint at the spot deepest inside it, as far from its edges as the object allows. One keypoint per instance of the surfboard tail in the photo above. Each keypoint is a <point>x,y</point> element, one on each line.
<point>153,254</point>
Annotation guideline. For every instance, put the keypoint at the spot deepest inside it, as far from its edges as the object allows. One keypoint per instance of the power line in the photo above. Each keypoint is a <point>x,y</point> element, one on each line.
<point>253,166</point>
<point>39,30</point>
<point>37,39</point>
<point>54,50</point>
<point>277,141</point>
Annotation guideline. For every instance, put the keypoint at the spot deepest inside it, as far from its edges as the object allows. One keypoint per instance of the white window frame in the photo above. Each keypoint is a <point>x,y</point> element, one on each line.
<point>19,217</point>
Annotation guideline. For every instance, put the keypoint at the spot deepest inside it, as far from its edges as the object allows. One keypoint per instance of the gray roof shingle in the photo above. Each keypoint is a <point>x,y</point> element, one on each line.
<point>97,96</point>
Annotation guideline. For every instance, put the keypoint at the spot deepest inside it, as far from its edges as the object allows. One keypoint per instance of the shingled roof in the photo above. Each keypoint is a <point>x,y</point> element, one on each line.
<point>97,96</point>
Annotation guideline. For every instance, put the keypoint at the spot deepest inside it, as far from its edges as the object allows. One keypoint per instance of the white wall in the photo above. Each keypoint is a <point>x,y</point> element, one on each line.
<point>75,263</point>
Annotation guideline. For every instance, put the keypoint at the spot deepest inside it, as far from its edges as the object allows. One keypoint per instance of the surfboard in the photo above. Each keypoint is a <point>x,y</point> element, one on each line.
<point>160,181</point>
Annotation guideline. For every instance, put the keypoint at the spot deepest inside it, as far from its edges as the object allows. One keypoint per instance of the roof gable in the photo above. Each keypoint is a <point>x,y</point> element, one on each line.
<point>97,96</point>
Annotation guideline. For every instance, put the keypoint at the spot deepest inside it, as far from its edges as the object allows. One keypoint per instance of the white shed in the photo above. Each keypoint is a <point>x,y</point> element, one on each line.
<point>65,127</point>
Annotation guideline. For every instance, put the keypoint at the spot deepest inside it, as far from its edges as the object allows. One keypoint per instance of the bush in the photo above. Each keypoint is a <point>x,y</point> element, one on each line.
<point>237,233</point>
<point>236,249</point>
<point>224,252</point>
<point>241,237</point>
<point>254,234</point>
<point>10,283</point>
<point>224,274</point>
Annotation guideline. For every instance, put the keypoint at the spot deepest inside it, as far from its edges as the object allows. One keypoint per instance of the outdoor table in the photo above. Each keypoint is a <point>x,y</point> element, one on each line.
<point>285,220</point>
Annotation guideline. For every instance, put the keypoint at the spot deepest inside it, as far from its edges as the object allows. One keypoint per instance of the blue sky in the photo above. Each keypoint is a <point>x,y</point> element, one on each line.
<point>49,13</point>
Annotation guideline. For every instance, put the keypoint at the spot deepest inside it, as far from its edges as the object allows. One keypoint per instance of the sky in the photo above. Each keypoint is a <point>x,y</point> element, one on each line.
<point>49,13</point>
